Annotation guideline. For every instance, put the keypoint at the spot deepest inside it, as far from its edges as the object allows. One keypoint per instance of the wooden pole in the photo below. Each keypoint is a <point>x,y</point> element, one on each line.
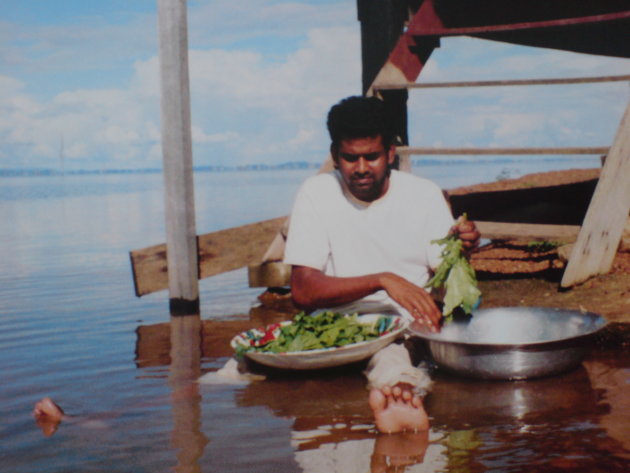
<point>181,239</point>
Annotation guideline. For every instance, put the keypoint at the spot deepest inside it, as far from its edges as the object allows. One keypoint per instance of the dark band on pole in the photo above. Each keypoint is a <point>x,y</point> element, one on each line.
<point>183,307</point>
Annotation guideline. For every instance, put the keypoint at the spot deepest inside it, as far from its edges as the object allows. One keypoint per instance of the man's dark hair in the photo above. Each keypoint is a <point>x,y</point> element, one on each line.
<point>359,117</point>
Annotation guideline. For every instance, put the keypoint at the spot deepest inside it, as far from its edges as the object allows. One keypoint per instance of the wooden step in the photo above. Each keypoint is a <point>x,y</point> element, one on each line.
<point>528,231</point>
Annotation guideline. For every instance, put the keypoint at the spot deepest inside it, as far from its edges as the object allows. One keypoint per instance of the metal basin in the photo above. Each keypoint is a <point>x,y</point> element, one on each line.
<point>513,342</point>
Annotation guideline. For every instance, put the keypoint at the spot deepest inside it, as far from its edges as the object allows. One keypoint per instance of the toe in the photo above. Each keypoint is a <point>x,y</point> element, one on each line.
<point>377,400</point>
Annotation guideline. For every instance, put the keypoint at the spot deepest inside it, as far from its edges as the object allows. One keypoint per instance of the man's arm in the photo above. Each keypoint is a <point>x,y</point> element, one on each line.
<point>312,289</point>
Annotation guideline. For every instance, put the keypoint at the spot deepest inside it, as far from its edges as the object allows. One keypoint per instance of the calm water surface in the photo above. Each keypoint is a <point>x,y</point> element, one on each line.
<point>71,328</point>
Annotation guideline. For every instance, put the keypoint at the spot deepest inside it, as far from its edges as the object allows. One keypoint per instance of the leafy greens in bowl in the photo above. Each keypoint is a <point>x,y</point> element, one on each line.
<point>319,341</point>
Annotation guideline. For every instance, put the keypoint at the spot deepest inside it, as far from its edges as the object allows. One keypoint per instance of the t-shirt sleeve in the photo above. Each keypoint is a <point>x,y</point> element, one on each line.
<point>307,241</point>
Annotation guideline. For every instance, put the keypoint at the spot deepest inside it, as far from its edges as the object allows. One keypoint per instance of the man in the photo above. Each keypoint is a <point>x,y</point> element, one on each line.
<point>360,241</point>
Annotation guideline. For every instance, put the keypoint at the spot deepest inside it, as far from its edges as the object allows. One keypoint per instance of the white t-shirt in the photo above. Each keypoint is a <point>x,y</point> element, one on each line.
<point>332,231</point>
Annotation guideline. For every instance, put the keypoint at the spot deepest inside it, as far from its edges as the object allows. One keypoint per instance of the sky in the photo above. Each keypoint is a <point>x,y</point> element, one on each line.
<point>79,85</point>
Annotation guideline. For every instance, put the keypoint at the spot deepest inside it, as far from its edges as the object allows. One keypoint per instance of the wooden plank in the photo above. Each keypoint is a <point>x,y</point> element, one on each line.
<point>503,83</point>
<point>422,30</point>
<point>527,231</point>
<point>218,252</point>
<point>177,158</point>
<point>605,218</point>
<point>503,151</point>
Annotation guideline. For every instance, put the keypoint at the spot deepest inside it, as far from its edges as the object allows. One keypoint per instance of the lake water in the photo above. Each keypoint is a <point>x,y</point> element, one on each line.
<point>72,329</point>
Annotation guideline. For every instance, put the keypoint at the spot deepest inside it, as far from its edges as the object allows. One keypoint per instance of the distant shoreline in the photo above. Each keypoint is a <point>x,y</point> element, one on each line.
<point>290,166</point>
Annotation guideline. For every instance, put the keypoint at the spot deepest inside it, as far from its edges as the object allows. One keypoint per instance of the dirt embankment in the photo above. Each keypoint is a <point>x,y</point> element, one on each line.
<point>522,273</point>
<point>543,179</point>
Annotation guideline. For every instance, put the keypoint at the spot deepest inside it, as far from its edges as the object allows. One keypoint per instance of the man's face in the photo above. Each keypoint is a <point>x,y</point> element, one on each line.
<point>364,166</point>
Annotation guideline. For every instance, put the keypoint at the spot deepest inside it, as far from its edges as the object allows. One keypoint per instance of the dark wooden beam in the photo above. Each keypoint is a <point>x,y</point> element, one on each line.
<point>382,24</point>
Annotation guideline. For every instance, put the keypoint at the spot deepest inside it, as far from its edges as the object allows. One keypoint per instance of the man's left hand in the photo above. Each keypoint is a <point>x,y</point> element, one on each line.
<point>467,232</point>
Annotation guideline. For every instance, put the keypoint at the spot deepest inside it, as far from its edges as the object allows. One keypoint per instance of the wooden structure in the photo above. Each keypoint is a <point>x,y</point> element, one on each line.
<point>177,157</point>
<point>592,26</point>
<point>603,225</point>
<point>218,252</point>
<point>398,37</point>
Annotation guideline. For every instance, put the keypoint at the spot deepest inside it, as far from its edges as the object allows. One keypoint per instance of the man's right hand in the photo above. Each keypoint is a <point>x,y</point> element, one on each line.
<point>414,299</point>
<point>312,289</point>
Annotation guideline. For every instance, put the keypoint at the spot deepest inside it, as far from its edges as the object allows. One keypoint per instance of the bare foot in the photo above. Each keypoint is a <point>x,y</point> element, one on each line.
<point>48,416</point>
<point>398,409</point>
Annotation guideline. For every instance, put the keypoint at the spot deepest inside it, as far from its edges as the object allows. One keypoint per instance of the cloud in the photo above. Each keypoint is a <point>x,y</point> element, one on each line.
<point>515,116</point>
<point>329,61</point>
<point>272,111</point>
<point>98,43</point>
<point>199,136</point>
<point>9,86</point>
<point>220,23</point>
<point>245,108</point>
<point>109,40</point>
<point>263,75</point>
<point>465,58</point>
<point>91,124</point>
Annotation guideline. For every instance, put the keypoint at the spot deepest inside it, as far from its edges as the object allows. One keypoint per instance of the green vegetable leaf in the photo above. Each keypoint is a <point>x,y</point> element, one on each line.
<point>461,288</point>
<point>324,330</point>
<point>457,276</point>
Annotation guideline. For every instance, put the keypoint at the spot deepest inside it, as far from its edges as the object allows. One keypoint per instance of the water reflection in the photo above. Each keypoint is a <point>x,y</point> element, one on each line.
<point>153,342</point>
<point>613,384</point>
<point>577,421</point>
<point>185,369</point>
<point>459,402</point>
<point>333,428</point>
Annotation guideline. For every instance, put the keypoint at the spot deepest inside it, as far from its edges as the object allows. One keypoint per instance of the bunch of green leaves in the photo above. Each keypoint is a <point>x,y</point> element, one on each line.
<point>457,277</point>
<point>323,330</point>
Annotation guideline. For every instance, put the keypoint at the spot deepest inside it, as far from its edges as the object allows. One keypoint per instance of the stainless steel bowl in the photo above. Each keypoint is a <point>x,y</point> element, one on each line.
<point>513,342</point>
